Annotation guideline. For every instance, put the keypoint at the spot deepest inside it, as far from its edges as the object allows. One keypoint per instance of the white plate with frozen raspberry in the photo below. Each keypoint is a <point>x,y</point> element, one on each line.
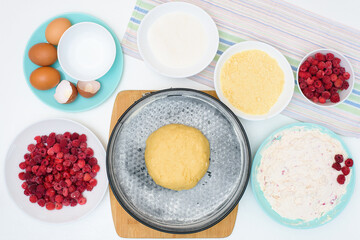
<point>55,170</point>
<point>325,77</point>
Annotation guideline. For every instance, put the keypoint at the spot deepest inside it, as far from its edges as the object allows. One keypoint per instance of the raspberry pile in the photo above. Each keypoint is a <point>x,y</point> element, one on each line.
<point>321,78</point>
<point>58,169</point>
<point>345,169</point>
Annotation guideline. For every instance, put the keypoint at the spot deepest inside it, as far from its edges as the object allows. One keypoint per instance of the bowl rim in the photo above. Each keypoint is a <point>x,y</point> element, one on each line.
<point>256,46</point>
<point>76,25</point>
<point>351,86</point>
<point>6,173</point>
<point>188,5</point>
<point>120,200</point>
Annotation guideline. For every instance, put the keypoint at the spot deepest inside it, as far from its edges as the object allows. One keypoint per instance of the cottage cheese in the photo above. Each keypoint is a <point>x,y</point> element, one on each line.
<point>296,174</point>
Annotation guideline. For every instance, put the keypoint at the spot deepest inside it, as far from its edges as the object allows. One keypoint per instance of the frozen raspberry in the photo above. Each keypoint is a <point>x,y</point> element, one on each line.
<point>58,206</point>
<point>95,168</point>
<point>336,166</point>
<point>82,200</point>
<point>313,70</point>
<point>82,138</point>
<point>339,158</point>
<point>303,85</point>
<point>87,177</point>
<point>310,59</point>
<point>328,72</point>
<point>22,176</point>
<point>317,84</point>
<point>333,77</point>
<point>93,182</point>
<point>50,206</point>
<point>33,199</point>
<point>89,152</point>
<point>349,162</point>
<point>92,161</point>
<point>345,170</point>
<point>341,179</point>
<point>41,202</point>
<point>31,147</point>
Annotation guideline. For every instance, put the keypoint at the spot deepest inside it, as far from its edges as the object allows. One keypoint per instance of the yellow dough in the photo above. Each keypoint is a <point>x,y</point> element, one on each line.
<point>252,81</point>
<point>177,156</point>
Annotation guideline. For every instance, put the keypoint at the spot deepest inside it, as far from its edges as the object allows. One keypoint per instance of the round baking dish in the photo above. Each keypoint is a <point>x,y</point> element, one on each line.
<point>216,194</point>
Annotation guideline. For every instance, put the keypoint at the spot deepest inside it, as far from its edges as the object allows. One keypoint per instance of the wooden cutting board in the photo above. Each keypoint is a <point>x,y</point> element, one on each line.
<point>125,225</point>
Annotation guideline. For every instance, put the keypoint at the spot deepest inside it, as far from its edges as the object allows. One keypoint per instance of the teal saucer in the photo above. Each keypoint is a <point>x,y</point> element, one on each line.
<point>109,81</point>
<point>298,223</point>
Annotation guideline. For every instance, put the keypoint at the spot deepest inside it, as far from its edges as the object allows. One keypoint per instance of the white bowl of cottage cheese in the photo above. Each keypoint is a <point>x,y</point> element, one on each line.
<point>293,177</point>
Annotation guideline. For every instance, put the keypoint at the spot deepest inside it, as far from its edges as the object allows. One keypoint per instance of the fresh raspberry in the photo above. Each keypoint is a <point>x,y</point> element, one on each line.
<point>322,100</point>
<point>349,162</point>
<point>336,71</point>
<point>336,166</point>
<point>345,85</point>
<point>329,56</point>
<point>328,72</point>
<point>333,77</point>
<point>346,75</point>
<point>313,70</point>
<point>319,57</point>
<point>317,84</point>
<point>309,81</point>
<point>338,83</point>
<point>321,65</point>
<point>320,74</point>
<point>303,85</point>
<point>303,67</point>
<point>335,98</point>
<point>326,94</point>
<point>328,86</point>
<point>345,170</point>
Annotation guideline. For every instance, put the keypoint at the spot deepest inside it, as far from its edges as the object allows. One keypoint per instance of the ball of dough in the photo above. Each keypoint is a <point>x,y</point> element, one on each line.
<point>177,156</point>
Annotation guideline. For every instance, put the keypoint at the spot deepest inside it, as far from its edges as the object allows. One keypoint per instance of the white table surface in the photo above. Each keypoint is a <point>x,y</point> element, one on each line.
<point>19,107</point>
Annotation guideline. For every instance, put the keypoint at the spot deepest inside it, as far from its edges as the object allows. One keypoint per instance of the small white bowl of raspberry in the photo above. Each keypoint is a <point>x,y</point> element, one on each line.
<point>325,77</point>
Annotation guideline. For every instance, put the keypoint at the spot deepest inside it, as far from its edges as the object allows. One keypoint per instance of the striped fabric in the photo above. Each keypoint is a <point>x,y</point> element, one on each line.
<point>293,31</point>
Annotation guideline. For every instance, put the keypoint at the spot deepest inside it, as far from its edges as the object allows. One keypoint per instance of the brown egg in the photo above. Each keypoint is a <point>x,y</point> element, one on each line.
<point>56,29</point>
<point>43,54</point>
<point>44,78</point>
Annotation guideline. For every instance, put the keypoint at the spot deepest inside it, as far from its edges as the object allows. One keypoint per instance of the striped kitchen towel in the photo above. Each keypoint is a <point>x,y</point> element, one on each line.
<point>293,31</point>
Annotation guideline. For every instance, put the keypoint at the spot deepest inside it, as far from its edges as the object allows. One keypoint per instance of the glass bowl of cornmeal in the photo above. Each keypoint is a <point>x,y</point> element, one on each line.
<point>254,80</point>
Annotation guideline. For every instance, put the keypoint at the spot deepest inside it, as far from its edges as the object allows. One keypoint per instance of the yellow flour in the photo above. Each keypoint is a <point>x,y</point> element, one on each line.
<point>252,81</point>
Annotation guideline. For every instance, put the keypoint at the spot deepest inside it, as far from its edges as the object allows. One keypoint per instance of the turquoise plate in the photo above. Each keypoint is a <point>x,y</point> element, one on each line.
<point>108,82</point>
<point>259,196</point>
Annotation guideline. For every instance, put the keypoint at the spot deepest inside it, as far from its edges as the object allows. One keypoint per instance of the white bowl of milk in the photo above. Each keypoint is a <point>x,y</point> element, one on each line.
<point>178,39</point>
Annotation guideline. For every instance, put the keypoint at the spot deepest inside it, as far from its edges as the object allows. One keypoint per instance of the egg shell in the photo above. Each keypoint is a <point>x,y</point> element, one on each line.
<point>44,78</point>
<point>62,88</point>
<point>84,90</point>
<point>43,54</point>
<point>55,29</point>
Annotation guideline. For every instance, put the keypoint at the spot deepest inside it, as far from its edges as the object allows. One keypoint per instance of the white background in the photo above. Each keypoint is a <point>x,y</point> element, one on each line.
<point>19,107</point>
